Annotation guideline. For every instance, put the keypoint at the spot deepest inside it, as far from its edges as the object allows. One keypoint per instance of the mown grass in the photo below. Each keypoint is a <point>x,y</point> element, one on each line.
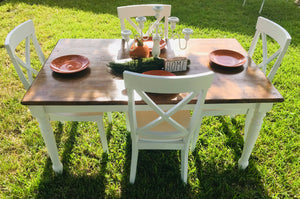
<point>25,168</point>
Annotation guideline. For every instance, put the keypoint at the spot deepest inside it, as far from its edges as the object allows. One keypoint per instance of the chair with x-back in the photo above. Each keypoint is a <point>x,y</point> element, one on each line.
<point>165,127</point>
<point>143,10</point>
<point>267,28</point>
<point>26,32</point>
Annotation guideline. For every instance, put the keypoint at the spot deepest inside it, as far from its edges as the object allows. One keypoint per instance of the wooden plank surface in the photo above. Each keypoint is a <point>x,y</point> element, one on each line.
<point>98,86</point>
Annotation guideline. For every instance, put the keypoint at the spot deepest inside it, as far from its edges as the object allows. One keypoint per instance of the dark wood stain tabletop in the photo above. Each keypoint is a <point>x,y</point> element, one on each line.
<point>96,85</point>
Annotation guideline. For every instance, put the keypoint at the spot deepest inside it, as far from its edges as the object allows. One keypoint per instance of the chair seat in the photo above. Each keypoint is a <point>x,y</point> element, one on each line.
<point>163,131</point>
<point>144,117</point>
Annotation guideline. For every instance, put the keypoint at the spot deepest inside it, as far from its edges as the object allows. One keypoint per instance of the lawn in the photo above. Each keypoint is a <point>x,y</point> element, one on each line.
<point>25,168</point>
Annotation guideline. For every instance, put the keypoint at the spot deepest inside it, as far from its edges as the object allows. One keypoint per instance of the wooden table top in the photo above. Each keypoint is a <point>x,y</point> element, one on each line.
<point>96,85</point>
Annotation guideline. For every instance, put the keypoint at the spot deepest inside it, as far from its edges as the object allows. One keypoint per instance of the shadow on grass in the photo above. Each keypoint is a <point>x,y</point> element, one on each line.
<point>158,174</point>
<point>218,179</point>
<point>68,184</point>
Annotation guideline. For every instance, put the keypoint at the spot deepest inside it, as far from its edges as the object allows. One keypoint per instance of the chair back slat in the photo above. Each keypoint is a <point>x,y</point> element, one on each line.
<point>194,85</point>
<point>264,28</point>
<point>127,12</point>
<point>24,31</point>
<point>165,127</point>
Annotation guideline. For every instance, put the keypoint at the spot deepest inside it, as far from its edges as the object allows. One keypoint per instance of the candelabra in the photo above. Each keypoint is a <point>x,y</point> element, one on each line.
<point>186,31</point>
<point>156,34</point>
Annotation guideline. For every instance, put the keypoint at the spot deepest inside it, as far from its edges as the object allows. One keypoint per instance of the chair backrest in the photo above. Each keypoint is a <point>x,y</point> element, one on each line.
<point>24,31</point>
<point>126,12</point>
<point>195,85</point>
<point>264,28</point>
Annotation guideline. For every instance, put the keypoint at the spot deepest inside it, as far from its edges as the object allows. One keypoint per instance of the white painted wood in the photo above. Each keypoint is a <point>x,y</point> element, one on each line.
<point>252,135</point>
<point>127,12</point>
<point>208,110</point>
<point>48,136</point>
<point>264,28</point>
<point>177,136</point>
<point>26,31</point>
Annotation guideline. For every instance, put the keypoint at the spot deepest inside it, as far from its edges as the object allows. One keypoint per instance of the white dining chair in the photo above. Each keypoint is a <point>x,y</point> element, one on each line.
<point>26,73</point>
<point>165,128</point>
<point>143,10</point>
<point>267,28</point>
<point>261,7</point>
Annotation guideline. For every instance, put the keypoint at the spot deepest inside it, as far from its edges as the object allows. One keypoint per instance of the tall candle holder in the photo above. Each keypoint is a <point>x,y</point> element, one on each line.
<point>140,36</point>
<point>126,36</point>
<point>186,31</point>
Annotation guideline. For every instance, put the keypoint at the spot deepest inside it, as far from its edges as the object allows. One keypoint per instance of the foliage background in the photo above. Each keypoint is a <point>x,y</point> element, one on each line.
<point>25,168</point>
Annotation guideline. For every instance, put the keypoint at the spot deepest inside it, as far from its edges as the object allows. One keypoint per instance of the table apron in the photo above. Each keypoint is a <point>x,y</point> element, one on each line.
<point>208,110</point>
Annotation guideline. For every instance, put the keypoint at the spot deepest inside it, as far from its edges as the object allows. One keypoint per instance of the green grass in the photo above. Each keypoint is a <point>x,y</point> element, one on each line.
<point>25,168</point>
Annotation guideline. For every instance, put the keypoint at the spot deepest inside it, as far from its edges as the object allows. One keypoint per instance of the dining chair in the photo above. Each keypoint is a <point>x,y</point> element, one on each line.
<point>261,7</point>
<point>267,28</point>
<point>160,127</point>
<point>26,32</point>
<point>130,11</point>
<point>127,12</point>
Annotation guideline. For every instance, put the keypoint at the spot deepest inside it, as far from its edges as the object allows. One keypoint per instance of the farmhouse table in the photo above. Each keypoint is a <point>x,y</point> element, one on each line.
<point>240,90</point>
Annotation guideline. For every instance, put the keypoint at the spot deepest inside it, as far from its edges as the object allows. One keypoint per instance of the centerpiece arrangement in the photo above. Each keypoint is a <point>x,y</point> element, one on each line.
<point>139,51</point>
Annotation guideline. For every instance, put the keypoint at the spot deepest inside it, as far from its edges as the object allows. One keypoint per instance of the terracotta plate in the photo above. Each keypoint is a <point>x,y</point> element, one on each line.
<point>69,64</point>
<point>227,58</point>
<point>159,73</point>
<point>149,43</point>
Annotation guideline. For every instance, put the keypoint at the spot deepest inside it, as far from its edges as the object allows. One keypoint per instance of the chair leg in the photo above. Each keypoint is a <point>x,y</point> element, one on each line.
<point>247,122</point>
<point>133,166</point>
<point>184,163</point>
<point>102,135</point>
<point>109,116</point>
<point>127,121</point>
<point>261,7</point>
<point>244,3</point>
<point>194,139</point>
<point>196,135</point>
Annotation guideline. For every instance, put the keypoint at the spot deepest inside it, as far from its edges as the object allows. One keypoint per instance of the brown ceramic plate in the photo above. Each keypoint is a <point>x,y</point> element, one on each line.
<point>69,64</point>
<point>159,73</point>
<point>149,42</point>
<point>227,58</point>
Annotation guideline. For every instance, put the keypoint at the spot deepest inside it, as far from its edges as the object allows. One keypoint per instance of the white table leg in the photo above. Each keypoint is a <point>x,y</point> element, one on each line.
<point>253,132</point>
<point>48,136</point>
<point>248,119</point>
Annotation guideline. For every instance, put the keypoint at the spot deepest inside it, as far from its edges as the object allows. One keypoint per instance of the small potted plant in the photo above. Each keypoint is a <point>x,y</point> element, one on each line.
<point>140,50</point>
